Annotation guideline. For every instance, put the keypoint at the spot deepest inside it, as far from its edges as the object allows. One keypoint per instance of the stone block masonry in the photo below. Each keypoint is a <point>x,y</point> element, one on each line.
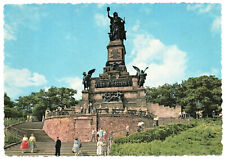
<point>81,125</point>
<point>164,111</point>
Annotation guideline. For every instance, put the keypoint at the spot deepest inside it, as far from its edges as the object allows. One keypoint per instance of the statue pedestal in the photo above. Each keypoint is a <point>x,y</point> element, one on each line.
<point>85,100</point>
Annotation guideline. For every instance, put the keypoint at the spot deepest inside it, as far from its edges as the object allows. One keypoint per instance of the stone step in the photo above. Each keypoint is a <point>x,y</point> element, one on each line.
<point>45,145</point>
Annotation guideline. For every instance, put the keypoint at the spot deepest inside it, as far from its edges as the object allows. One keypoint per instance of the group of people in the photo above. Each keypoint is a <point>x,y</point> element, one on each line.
<point>75,149</point>
<point>28,143</point>
<point>101,141</point>
<point>90,109</point>
<point>100,137</point>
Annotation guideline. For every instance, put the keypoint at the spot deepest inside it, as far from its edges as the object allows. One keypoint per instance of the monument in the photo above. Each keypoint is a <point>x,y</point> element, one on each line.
<point>114,89</point>
<point>110,101</point>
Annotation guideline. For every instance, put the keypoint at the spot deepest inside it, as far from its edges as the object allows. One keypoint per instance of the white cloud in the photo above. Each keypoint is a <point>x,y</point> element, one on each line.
<point>26,15</point>
<point>200,8</point>
<point>211,10</point>
<point>17,79</point>
<point>100,5</point>
<point>167,64</point>
<point>22,78</point>
<point>12,92</point>
<point>136,26</point>
<point>213,71</point>
<point>101,20</point>
<point>75,83</point>
<point>216,25</point>
<point>9,32</point>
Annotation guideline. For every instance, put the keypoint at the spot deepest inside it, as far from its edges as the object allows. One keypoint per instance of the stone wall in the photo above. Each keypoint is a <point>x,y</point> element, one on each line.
<point>164,111</point>
<point>166,121</point>
<point>117,124</point>
<point>80,125</point>
<point>68,128</point>
<point>60,127</point>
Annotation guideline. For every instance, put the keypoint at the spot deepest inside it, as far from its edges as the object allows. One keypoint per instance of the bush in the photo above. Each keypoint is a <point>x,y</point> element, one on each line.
<point>204,139</point>
<point>159,133</point>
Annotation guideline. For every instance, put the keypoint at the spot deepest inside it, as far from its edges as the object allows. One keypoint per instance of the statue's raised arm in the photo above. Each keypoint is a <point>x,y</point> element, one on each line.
<point>108,9</point>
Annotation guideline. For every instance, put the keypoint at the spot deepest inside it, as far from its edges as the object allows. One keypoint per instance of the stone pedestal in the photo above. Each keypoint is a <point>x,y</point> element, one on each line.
<point>85,100</point>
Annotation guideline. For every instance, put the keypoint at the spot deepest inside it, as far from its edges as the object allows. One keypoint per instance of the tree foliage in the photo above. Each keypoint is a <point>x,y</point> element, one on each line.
<point>37,102</point>
<point>202,93</point>
<point>9,108</point>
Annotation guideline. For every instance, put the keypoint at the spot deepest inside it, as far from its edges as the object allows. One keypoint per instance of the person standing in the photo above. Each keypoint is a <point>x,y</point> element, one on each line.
<point>99,146</point>
<point>75,148</point>
<point>156,120</point>
<point>93,135</point>
<point>32,142</point>
<point>104,135</point>
<point>127,130</point>
<point>100,133</point>
<point>57,147</point>
<point>24,145</point>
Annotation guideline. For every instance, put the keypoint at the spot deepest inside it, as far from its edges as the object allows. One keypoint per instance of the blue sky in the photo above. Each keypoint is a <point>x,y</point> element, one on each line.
<point>53,44</point>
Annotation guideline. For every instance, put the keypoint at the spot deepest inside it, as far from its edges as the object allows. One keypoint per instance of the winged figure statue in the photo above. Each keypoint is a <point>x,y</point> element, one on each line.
<point>141,76</point>
<point>87,79</point>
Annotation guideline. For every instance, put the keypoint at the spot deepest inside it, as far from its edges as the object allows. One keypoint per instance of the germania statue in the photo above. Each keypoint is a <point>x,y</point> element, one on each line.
<point>117,31</point>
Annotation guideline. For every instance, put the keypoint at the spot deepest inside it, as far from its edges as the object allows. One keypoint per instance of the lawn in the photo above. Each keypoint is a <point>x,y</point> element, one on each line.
<point>202,139</point>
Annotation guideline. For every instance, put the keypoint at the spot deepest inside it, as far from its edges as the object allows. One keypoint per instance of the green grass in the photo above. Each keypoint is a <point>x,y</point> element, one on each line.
<point>204,139</point>
<point>159,133</point>
<point>11,121</point>
<point>9,138</point>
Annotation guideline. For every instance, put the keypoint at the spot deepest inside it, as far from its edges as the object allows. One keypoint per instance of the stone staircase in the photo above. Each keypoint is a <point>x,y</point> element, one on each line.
<point>45,145</point>
<point>48,149</point>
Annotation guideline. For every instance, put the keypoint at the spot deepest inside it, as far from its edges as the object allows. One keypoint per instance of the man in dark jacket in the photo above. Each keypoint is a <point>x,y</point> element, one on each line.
<point>57,147</point>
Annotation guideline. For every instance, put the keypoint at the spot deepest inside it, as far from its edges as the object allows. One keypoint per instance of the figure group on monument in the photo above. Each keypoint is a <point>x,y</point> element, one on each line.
<point>117,31</point>
<point>114,96</point>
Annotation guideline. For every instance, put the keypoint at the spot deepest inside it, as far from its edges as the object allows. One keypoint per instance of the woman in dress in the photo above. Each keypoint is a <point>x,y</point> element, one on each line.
<point>32,142</point>
<point>75,148</point>
<point>104,135</point>
<point>24,145</point>
<point>99,146</point>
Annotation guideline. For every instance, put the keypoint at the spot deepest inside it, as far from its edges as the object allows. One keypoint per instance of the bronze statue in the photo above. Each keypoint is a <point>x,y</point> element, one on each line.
<point>87,79</point>
<point>117,31</point>
<point>141,76</point>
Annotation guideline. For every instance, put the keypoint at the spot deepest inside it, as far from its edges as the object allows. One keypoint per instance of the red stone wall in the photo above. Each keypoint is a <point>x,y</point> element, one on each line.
<point>164,112</point>
<point>68,128</point>
<point>61,127</point>
<point>80,126</point>
<point>117,125</point>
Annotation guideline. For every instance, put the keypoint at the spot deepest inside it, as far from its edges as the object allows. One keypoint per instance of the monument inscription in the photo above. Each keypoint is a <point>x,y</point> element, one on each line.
<point>113,83</point>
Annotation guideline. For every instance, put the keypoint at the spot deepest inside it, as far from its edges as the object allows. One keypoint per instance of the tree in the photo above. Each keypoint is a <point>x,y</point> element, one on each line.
<point>37,102</point>
<point>164,95</point>
<point>7,102</point>
<point>10,110</point>
<point>202,93</point>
